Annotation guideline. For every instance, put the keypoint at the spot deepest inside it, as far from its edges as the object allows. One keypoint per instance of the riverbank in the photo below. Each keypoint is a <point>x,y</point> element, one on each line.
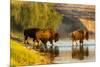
<point>21,56</point>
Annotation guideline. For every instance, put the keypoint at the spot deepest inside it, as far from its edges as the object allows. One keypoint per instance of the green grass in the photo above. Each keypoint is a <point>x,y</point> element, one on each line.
<point>23,56</point>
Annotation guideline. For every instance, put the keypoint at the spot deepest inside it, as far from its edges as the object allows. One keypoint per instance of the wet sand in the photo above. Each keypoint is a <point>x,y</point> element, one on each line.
<point>66,57</point>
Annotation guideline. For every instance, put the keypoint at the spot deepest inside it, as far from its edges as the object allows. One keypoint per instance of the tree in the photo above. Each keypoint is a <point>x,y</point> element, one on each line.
<point>33,14</point>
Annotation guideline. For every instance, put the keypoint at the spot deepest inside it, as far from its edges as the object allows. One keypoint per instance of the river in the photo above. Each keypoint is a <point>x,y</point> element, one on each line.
<point>65,52</point>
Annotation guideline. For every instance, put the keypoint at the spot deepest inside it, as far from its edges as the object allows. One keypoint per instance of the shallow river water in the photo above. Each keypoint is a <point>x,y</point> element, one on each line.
<point>65,52</point>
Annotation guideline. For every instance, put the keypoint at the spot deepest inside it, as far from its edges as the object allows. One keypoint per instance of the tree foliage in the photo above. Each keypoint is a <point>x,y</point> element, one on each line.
<point>33,14</point>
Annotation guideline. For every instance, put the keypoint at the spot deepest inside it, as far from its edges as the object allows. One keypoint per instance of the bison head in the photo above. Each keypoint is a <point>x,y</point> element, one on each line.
<point>86,35</point>
<point>56,37</point>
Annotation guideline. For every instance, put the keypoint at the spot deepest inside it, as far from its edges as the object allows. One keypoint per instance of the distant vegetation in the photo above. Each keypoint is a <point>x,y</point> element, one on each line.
<point>33,14</point>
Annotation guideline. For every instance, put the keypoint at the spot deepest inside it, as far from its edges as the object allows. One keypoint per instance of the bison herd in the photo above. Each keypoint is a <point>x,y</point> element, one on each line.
<point>40,37</point>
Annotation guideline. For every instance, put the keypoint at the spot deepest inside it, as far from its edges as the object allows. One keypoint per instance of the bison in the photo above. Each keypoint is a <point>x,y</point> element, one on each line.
<point>80,35</point>
<point>31,32</point>
<point>47,35</point>
<point>44,35</point>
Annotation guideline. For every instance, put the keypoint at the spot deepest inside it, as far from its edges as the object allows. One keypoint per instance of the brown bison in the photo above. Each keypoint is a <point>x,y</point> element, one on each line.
<point>80,35</point>
<point>44,35</point>
<point>47,35</point>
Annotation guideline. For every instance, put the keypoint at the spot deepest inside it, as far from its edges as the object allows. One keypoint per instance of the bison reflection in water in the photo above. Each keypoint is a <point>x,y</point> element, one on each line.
<point>44,35</point>
<point>80,35</point>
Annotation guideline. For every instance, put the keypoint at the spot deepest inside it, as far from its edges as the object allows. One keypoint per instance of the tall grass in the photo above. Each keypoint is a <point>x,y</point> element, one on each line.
<point>23,56</point>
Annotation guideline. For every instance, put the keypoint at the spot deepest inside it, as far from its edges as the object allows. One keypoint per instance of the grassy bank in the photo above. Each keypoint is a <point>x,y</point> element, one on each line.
<point>23,56</point>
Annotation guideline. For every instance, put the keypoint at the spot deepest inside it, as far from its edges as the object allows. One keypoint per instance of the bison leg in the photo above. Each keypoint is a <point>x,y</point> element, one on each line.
<point>81,42</point>
<point>45,45</point>
<point>25,41</point>
<point>34,39</point>
<point>74,43</point>
<point>51,42</point>
<point>25,38</point>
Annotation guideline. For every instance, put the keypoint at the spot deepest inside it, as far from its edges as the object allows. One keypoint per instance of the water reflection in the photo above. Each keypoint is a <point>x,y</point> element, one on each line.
<point>65,51</point>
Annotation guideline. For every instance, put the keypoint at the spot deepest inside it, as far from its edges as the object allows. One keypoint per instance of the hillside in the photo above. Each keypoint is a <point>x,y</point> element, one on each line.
<point>76,16</point>
<point>76,10</point>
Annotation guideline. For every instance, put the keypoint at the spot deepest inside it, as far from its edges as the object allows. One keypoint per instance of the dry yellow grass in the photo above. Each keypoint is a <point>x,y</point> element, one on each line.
<point>23,56</point>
